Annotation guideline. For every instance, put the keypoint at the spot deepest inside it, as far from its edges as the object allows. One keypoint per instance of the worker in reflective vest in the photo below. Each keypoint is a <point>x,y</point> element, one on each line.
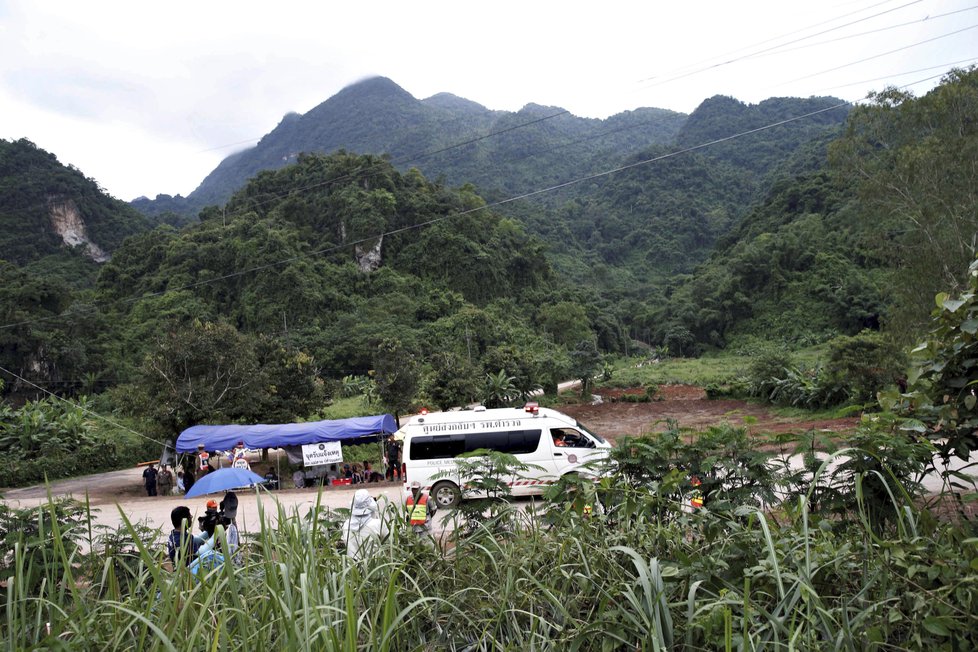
<point>418,512</point>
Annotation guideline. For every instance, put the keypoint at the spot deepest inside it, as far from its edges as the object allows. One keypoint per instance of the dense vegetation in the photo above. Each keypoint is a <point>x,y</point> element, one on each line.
<point>31,182</point>
<point>779,558</point>
<point>861,241</point>
<point>68,438</point>
<point>259,310</point>
<point>288,295</point>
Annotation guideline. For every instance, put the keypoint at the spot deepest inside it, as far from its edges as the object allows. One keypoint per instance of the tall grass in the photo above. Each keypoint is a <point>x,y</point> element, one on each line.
<point>631,576</point>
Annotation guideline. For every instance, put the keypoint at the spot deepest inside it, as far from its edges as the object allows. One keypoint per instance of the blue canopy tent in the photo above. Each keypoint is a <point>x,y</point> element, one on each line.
<point>222,438</point>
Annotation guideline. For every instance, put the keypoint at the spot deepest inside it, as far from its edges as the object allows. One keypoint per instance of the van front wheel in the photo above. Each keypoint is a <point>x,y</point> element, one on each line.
<point>446,494</point>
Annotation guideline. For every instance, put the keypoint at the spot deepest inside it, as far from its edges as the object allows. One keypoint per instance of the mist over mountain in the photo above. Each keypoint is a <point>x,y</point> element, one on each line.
<point>376,116</point>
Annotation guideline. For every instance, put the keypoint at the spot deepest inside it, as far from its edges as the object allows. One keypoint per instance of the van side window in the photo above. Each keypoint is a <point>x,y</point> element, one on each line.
<point>436,447</point>
<point>570,438</point>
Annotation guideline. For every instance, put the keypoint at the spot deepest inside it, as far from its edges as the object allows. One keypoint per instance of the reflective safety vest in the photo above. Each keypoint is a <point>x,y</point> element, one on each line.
<point>419,512</point>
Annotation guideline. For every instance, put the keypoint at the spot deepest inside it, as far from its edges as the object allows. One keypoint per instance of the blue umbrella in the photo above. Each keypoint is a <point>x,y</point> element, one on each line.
<point>223,480</point>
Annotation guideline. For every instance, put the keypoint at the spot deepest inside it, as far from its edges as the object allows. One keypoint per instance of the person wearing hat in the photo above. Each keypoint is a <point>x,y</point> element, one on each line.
<point>364,529</point>
<point>164,481</point>
<point>203,458</point>
<point>419,509</point>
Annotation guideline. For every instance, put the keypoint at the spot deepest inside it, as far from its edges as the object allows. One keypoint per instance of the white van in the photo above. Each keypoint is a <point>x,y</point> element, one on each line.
<point>539,436</point>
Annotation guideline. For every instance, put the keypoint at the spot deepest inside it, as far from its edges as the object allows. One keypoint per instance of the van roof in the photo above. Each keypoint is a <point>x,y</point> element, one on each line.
<point>461,416</point>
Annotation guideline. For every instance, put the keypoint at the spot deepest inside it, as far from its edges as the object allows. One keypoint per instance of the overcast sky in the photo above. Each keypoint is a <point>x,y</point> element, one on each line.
<point>147,98</point>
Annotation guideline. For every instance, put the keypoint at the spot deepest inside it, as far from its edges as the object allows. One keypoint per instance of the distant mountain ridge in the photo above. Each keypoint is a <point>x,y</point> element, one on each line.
<point>634,228</point>
<point>377,116</point>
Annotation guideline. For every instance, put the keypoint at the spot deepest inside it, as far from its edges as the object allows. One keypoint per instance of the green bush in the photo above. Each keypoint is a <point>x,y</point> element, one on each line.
<point>765,370</point>
<point>52,439</point>
<point>857,368</point>
<point>865,364</point>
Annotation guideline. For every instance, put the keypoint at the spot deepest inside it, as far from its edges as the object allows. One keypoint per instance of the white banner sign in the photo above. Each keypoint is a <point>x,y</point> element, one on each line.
<point>325,453</point>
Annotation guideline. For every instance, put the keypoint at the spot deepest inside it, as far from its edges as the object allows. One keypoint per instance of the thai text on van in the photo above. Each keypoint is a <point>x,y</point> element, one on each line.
<point>464,426</point>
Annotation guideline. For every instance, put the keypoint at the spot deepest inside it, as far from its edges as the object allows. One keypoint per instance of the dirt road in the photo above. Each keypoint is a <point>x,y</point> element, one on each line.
<point>120,492</point>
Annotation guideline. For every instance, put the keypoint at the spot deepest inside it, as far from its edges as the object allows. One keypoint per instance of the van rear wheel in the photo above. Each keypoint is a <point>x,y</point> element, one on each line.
<point>446,494</point>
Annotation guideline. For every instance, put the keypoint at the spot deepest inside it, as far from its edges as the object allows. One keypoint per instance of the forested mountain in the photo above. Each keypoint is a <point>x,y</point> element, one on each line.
<point>376,116</point>
<point>52,211</point>
<point>782,124</point>
<point>870,227</point>
<point>628,230</point>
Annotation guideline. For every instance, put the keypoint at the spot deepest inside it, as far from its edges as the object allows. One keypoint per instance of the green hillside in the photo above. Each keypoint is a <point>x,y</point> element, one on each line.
<point>867,230</point>
<point>292,277</point>
<point>795,239</point>
<point>36,190</point>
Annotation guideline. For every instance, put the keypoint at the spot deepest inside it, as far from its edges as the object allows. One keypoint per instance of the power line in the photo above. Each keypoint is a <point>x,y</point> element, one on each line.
<point>942,66</point>
<point>877,56</point>
<point>867,33</point>
<point>678,76</point>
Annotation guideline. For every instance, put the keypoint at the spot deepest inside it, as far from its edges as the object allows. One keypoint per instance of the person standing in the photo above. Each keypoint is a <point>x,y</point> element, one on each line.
<point>228,518</point>
<point>203,458</point>
<point>189,473</point>
<point>393,459</point>
<point>149,480</point>
<point>239,457</point>
<point>419,509</point>
<point>164,480</point>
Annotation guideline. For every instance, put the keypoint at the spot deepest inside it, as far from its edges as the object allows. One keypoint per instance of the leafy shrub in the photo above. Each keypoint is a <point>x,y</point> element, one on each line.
<point>53,439</point>
<point>858,367</point>
<point>725,459</point>
<point>734,389</point>
<point>36,536</point>
<point>765,370</point>
<point>633,398</point>
<point>808,387</point>
<point>865,364</point>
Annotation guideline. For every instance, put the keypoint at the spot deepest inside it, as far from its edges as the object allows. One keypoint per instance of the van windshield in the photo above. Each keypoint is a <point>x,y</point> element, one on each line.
<point>598,438</point>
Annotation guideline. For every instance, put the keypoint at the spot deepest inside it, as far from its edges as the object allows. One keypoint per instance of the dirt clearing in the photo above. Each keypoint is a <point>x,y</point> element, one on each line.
<point>689,406</point>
